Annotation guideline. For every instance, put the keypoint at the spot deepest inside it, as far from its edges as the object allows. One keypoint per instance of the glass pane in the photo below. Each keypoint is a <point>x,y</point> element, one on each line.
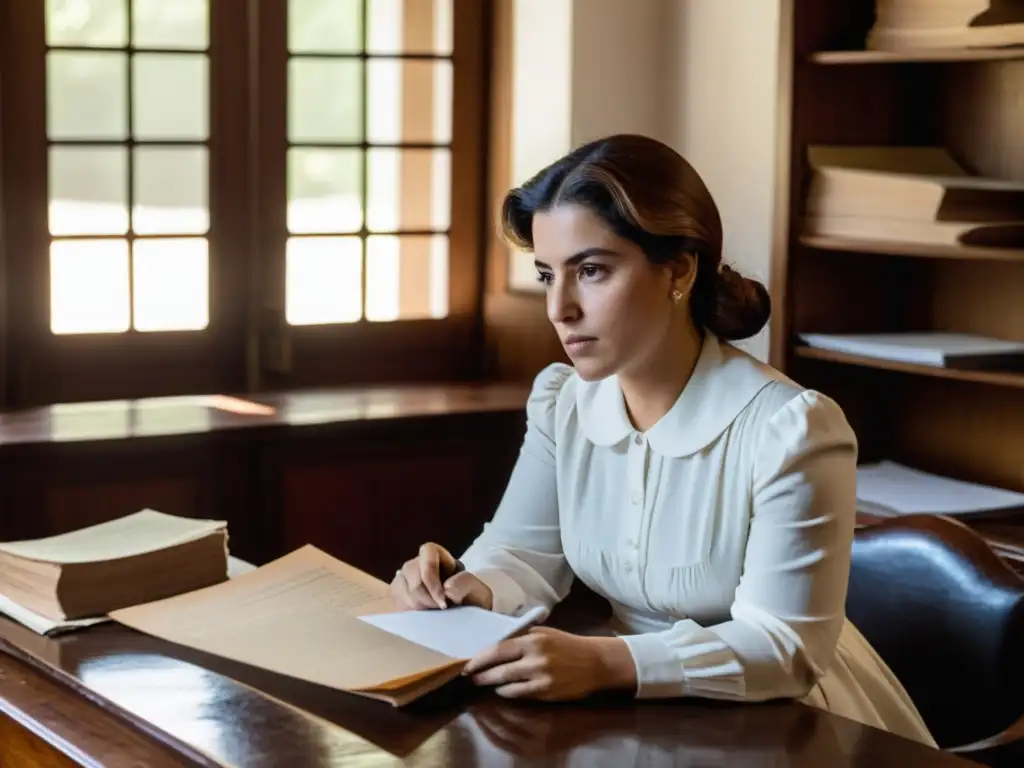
<point>410,26</point>
<point>406,277</point>
<point>88,190</point>
<point>171,191</point>
<point>410,101</point>
<point>323,280</point>
<point>408,189</point>
<point>87,22</point>
<point>170,24</point>
<point>325,100</point>
<point>89,286</point>
<point>324,190</point>
<point>86,95</point>
<point>325,26</point>
<point>170,96</point>
<point>171,284</point>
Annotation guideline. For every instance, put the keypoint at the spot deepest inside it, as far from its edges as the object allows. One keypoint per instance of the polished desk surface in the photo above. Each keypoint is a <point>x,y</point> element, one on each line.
<point>112,697</point>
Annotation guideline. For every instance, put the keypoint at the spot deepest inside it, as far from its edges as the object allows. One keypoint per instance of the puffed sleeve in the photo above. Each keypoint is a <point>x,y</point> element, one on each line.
<point>519,552</point>
<point>789,607</point>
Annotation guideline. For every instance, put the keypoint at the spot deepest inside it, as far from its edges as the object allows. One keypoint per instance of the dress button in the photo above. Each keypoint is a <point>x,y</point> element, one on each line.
<point>628,568</point>
<point>636,498</point>
<point>639,439</point>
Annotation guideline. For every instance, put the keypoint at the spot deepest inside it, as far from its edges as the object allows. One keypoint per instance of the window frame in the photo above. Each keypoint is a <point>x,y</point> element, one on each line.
<point>365,351</point>
<point>248,345</point>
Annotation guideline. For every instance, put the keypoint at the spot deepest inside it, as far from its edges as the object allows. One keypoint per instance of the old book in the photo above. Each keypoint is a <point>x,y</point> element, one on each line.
<point>312,617</point>
<point>911,183</point>
<point>134,559</point>
<point>42,625</point>
<point>908,25</point>
<point>909,194</point>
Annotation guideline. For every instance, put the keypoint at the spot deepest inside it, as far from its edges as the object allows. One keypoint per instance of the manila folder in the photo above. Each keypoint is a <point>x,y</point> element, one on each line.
<point>297,616</point>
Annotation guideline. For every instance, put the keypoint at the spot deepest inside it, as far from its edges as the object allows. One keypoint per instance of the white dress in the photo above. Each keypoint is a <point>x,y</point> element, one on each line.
<point>721,536</point>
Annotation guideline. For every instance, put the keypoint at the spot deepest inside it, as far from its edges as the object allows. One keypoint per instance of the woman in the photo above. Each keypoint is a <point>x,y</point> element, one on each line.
<point>707,497</point>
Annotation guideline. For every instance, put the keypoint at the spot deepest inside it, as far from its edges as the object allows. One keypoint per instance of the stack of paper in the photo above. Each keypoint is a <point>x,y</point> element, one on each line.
<point>888,489</point>
<point>902,25</point>
<point>87,573</point>
<point>312,617</point>
<point>912,195</point>
<point>937,348</point>
<point>43,625</point>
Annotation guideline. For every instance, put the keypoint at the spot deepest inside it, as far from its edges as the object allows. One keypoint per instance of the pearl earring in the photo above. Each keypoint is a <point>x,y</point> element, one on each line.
<point>677,295</point>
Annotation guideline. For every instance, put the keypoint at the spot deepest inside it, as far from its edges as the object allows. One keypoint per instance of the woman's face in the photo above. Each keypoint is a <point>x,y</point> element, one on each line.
<point>611,306</point>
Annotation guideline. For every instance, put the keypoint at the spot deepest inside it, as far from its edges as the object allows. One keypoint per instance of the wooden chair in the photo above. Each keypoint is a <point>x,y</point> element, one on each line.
<point>947,615</point>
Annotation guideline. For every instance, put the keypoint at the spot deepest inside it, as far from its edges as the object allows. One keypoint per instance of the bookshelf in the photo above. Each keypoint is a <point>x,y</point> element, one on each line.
<point>965,424</point>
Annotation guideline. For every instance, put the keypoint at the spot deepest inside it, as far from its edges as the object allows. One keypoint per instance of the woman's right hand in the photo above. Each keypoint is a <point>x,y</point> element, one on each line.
<point>419,584</point>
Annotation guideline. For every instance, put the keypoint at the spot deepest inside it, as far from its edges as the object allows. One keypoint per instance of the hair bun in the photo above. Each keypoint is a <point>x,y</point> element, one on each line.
<point>741,306</point>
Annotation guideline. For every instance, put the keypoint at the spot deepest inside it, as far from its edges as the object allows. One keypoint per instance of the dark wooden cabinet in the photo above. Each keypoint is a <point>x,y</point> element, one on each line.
<point>373,494</point>
<point>368,484</point>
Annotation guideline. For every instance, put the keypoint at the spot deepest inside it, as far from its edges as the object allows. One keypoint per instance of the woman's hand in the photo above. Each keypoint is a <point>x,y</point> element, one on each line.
<point>551,665</point>
<point>419,584</point>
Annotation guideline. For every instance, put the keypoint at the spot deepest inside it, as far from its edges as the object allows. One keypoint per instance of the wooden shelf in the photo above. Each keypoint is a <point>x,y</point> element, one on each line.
<point>996,378</point>
<point>937,55</point>
<point>969,101</point>
<point>917,250</point>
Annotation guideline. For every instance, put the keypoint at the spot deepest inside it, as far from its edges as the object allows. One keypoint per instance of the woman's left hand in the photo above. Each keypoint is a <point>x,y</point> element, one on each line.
<point>551,665</point>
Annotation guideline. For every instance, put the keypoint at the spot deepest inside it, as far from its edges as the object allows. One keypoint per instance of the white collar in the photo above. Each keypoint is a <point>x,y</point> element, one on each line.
<point>723,383</point>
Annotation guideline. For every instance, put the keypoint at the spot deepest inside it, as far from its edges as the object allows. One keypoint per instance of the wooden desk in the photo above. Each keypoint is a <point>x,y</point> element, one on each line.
<point>112,697</point>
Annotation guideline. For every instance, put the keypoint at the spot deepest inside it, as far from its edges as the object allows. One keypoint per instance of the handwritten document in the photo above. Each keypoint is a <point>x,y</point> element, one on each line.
<point>312,617</point>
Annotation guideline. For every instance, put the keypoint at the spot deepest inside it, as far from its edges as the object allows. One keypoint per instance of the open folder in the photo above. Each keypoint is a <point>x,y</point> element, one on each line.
<point>315,618</point>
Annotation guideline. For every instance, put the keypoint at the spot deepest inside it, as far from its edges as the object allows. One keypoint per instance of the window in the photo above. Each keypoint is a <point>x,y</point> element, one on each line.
<point>219,195</point>
<point>127,123</point>
<point>369,160</point>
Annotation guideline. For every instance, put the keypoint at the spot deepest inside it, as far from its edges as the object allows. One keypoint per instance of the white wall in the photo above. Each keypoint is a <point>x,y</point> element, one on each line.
<point>582,69</point>
<point>721,93</point>
<point>541,84</point>
<point>700,75</point>
<point>618,68</point>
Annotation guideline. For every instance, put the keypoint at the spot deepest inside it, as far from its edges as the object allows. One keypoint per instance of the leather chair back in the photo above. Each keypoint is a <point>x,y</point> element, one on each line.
<point>947,615</point>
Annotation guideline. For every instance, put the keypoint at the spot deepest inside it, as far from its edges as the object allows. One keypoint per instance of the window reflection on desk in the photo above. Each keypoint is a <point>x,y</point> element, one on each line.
<point>183,698</point>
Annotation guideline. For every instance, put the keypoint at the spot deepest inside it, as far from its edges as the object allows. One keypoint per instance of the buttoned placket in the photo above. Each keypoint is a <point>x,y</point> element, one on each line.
<point>634,523</point>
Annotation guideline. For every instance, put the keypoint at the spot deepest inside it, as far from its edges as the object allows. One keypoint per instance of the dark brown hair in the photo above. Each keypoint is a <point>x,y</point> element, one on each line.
<point>648,194</point>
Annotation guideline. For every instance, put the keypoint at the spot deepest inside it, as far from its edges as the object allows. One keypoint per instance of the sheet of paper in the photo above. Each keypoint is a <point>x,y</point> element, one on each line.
<point>43,625</point>
<point>908,491</point>
<point>295,616</point>
<point>460,632</point>
<point>136,534</point>
<point>929,348</point>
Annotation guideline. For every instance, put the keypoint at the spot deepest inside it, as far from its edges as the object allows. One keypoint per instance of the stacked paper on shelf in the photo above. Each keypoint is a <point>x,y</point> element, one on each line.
<point>906,25</point>
<point>909,194</point>
<point>944,350</point>
<point>888,489</point>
